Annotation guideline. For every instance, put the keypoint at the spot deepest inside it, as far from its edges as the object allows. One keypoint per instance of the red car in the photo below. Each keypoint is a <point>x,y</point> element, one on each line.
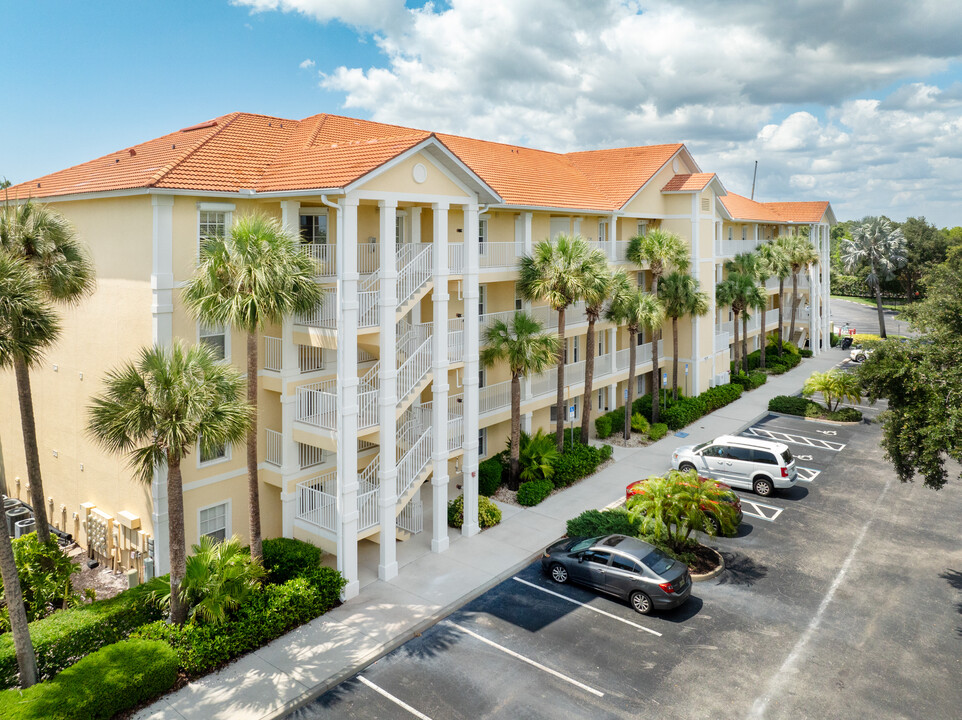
<point>725,515</point>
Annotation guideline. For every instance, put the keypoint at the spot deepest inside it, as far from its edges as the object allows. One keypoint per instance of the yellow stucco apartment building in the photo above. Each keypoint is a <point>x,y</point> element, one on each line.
<point>374,410</point>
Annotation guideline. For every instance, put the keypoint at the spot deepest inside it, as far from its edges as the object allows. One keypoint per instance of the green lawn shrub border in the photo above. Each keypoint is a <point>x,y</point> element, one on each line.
<point>64,637</point>
<point>603,426</point>
<point>658,431</point>
<point>754,379</point>
<point>592,523</point>
<point>489,514</point>
<point>106,682</point>
<point>533,492</point>
<point>287,558</point>
<point>489,476</point>
<point>803,407</point>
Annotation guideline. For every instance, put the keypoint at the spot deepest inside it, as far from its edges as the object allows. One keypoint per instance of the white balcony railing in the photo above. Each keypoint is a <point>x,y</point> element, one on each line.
<point>367,310</point>
<point>771,317</point>
<point>367,509</point>
<point>317,404</point>
<point>367,409</point>
<point>456,258</point>
<point>368,256</point>
<point>272,353</point>
<point>494,397</point>
<point>413,370</point>
<point>309,456</point>
<point>413,463</point>
<point>621,251</point>
<point>324,258</point>
<point>411,517</point>
<point>317,500</point>
<point>499,255</point>
<point>456,339</point>
<point>324,315</point>
<point>414,270</point>
<point>726,248</point>
<point>722,342</point>
<point>309,358</point>
<point>455,433</point>
<point>275,447</point>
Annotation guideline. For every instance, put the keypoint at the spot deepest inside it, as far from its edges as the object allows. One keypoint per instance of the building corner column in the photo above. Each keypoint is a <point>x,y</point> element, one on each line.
<point>439,361</point>
<point>472,344</point>
<point>387,390</point>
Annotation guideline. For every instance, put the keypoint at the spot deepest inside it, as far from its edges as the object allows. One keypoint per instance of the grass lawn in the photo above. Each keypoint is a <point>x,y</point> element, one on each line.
<point>888,304</point>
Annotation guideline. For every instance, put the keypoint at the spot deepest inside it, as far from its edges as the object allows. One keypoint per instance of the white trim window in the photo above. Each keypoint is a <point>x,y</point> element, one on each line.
<point>744,233</point>
<point>640,390</point>
<point>601,399</point>
<point>482,376</point>
<point>214,521</point>
<point>216,337</point>
<point>731,233</point>
<point>483,235</point>
<point>482,442</point>
<point>642,228</point>
<point>482,299</point>
<point>399,223</point>
<point>217,455</point>
<point>313,227</point>
<point>212,222</point>
<point>602,231</point>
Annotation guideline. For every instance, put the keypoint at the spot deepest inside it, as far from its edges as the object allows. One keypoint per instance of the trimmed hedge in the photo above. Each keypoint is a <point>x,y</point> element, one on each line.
<point>270,611</point>
<point>805,352</point>
<point>846,415</point>
<point>754,379</point>
<point>592,523</point>
<point>721,395</point>
<point>606,452</point>
<point>489,514</point>
<point>533,492</point>
<point>793,405</point>
<point>64,637</point>
<point>287,558</point>
<point>603,426</point>
<point>658,431</point>
<point>489,476</point>
<point>107,682</point>
<point>576,462</point>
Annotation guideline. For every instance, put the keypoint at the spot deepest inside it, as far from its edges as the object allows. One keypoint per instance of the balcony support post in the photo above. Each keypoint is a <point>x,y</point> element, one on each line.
<point>471,349</point>
<point>387,390</point>
<point>439,360</point>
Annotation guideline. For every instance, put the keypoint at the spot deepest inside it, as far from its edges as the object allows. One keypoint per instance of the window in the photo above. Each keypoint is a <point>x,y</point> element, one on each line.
<point>482,299</point>
<point>399,228</point>
<point>480,378</point>
<point>212,223</point>
<point>215,337</point>
<point>482,442</point>
<point>601,343</point>
<point>642,281</point>
<point>624,564</point>
<point>601,399</point>
<point>597,556</point>
<point>738,453</point>
<point>576,347</point>
<point>314,229</point>
<point>642,227</point>
<point>744,233</point>
<point>558,226</point>
<point>763,457</point>
<point>214,521</point>
<point>602,231</point>
<point>640,390</point>
<point>483,235</point>
<point>518,300</point>
<point>217,454</point>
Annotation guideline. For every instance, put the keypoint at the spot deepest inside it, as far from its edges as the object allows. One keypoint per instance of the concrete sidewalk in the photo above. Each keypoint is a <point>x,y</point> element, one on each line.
<point>305,663</point>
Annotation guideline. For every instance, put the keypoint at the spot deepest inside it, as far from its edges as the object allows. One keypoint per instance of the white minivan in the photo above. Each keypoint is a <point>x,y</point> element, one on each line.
<point>749,463</point>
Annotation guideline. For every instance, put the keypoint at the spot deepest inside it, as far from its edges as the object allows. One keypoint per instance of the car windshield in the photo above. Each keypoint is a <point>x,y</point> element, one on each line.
<point>699,446</point>
<point>657,562</point>
<point>582,545</point>
<point>787,456</point>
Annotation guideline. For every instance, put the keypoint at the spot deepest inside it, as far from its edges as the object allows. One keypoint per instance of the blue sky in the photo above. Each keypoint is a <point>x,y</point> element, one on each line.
<point>859,103</point>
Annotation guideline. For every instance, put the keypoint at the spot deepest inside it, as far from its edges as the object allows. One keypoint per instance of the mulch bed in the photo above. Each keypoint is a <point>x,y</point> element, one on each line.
<point>706,560</point>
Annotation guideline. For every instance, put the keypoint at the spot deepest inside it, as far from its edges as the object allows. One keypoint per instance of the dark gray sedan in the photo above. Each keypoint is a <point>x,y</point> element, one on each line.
<point>622,566</point>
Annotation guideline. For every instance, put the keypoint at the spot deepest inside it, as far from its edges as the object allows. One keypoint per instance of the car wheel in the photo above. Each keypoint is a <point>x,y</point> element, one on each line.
<point>559,573</point>
<point>686,467</point>
<point>711,520</point>
<point>763,487</point>
<point>860,358</point>
<point>640,602</point>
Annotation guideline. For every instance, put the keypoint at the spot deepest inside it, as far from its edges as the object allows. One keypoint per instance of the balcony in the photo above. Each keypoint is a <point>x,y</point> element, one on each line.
<point>731,248</point>
<point>722,342</point>
<point>499,255</point>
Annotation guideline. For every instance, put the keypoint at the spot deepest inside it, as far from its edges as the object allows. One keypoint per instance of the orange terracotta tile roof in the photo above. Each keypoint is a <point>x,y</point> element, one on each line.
<point>741,208</point>
<point>243,151</point>
<point>693,182</point>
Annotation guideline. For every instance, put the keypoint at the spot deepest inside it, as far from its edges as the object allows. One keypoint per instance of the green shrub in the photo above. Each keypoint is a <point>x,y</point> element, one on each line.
<point>790,348</point>
<point>684,411</point>
<point>576,462</point>
<point>754,379</point>
<point>792,405</point>
<point>721,395</point>
<point>270,612</point>
<point>846,415</point>
<point>534,491</point>
<point>107,682</point>
<point>287,558</point>
<point>592,523</point>
<point>62,638</point>
<point>805,352</point>
<point>791,360</point>
<point>489,476</point>
<point>44,572</point>
<point>489,514</point>
<point>606,452</point>
<point>603,426</point>
<point>639,423</point>
<point>833,339</point>
<point>658,431</point>
<point>776,368</point>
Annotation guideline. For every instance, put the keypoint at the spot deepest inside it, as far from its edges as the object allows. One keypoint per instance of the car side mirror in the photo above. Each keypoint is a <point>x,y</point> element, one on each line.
<point>581,558</point>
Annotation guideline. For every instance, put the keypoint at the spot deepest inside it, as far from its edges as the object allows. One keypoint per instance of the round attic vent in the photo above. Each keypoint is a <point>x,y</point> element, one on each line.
<point>420,173</point>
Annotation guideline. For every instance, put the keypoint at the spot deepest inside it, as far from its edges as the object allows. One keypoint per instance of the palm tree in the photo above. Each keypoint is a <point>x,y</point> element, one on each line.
<point>834,385</point>
<point>883,245</point>
<point>558,273</point>
<point>156,411</point>
<point>597,292</point>
<point>733,291</point>
<point>801,254</point>
<point>773,259</point>
<point>662,252</point>
<point>27,326</point>
<point>254,276</point>
<point>637,309</point>
<point>680,296</point>
<point>527,350</point>
<point>49,246</point>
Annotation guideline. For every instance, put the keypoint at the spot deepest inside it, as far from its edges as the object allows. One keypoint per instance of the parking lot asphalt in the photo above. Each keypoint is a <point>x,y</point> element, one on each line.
<point>843,603</point>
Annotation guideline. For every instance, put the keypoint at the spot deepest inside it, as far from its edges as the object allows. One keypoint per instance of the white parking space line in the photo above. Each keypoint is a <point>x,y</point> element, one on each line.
<point>588,607</point>
<point>807,474</point>
<point>799,439</point>
<point>522,658</point>
<point>396,701</point>
<point>760,510</point>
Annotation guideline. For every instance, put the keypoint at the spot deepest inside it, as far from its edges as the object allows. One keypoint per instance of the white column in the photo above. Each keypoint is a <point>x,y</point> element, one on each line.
<point>526,236</point>
<point>439,356</point>
<point>415,224</point>
<point>162,321</point>
<point>471,350</point>
<point>387,393</point>
<point>526,422</point>
<point>612,224</point>
<point>826,287</point>
<point>755,234</point>
<point>695,387</point>
<point>347,382</point>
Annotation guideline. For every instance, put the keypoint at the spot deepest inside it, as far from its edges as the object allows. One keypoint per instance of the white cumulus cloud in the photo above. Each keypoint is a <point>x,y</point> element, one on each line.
<point>306,64</point>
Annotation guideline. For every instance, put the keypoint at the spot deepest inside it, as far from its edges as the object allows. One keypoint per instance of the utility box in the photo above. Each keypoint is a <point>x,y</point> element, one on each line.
<point>25,527</point>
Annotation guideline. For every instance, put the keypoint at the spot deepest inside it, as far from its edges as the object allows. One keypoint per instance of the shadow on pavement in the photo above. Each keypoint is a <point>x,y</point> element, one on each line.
<point>433,643</point>
<point>744,530</point>
<point>684,612</point>
<point>796,493</point>
<point>741,570</point>
<point>332,698</point>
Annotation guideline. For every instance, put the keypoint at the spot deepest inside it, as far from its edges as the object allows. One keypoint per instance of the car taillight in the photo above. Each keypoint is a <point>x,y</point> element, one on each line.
<point>784,472</point>
<point>667,587</point>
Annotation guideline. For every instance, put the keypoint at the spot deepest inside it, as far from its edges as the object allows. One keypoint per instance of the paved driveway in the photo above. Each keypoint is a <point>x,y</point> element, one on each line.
<point>844,603</point>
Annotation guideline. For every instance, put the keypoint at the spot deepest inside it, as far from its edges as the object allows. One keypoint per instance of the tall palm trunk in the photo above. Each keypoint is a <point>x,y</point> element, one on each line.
<point>26,658</point>
<point>674,355</point>
<point>878,302</point>
<point>745,319</point>
<point>560,419</point>
<point>178,542</point>
<point>632,349</point>
<point>514,474</point>
<point>589,377</point>
<point>781,307</point>
<point>29,428</point>
<point>737,346</point>
<point>253,494</point>
<point>791,330</point>
<point>764,338</point>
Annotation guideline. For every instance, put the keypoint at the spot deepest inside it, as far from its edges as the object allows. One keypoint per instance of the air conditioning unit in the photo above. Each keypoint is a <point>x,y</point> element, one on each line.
<point>15,515</point>
<point>25,527</point>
